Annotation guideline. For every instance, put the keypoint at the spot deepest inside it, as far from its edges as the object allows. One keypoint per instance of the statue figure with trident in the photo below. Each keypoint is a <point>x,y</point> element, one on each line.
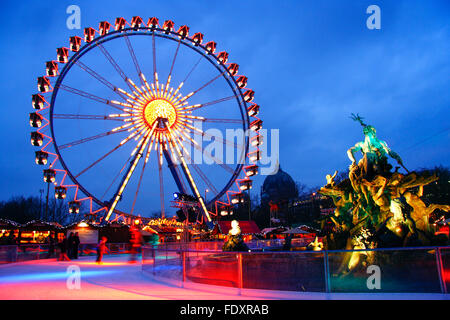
<point>375,152</point>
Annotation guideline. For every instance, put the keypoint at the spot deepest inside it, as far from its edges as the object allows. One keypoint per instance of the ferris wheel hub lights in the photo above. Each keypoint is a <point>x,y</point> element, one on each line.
<point>159,108</point>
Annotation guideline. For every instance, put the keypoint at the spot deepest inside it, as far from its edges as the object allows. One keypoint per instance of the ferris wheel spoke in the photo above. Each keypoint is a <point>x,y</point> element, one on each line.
<point>218,120</point>
<point>115,178</point>
<point>114,64</point>
<point>176,167</point>
<point>155,76</point>
<point>84,117</point>
<point>149,148</point>
<point>123,184</point>
<point>202,87</point>
<point>89,96</point>
<point>213,158</point>
<point>99,78</point>
<point>202,175</point>
<point>190,72</point>
<point>161,181</point>
<point>197,131</point>
<point>133,57</point>
<point>123,142</point>
<point>84,140</point>
<point>201,105</point>
<point>173,63</point>
<point>188,174</point>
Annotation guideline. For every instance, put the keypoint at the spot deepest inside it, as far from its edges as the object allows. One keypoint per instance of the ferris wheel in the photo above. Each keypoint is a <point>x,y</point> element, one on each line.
<point>124,116</point>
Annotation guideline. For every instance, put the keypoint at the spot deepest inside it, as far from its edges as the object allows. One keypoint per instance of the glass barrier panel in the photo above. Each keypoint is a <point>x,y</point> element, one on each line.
<point>43,251</point>
<point>88,249</point>
<point>8,254</point>
<point>445,270</point>
<point>148,257</point>
<point>213,268</point>
<point>288,271</point>
<point>399,270</point>
<point>168,264</point>
<point>28,252</point>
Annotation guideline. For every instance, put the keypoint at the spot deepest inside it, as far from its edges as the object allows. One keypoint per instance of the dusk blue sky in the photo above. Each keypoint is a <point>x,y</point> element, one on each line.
<point>311,64</point>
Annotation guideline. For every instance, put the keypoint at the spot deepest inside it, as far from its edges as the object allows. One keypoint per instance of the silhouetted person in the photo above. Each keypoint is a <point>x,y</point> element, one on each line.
<point>75,245</point>
<point>101,249</point>
<point>136,243</point>
<point>287,242</point>
<point>63,249</point>
<point>12,240</point>
<point>51,246</point>
<point>70,246</point>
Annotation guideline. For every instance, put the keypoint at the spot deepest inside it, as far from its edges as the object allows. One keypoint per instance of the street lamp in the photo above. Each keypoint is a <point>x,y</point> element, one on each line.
<point>206,190</point>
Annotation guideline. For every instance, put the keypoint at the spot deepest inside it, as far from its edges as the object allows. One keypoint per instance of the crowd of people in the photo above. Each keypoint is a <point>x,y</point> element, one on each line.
<point>69,247</point>
<point>8,238</point>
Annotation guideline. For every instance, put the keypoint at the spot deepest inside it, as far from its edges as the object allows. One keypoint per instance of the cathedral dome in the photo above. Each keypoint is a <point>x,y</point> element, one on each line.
<point>278,187</point>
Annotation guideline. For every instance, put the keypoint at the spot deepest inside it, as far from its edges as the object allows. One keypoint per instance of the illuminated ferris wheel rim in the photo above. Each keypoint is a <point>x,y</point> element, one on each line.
<point>174,36</point>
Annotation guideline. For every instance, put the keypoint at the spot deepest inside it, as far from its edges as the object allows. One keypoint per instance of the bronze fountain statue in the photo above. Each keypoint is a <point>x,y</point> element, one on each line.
<point>377,207</point>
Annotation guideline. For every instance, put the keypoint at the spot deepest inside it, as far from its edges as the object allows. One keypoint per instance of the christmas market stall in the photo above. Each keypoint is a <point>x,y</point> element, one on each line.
<point>273,233</point>
<point>249,229</point>
<point>8,229</point>
<point>165,230</point>
<point>37,232</point>
<point>87,232</point>
<point>115,232</point>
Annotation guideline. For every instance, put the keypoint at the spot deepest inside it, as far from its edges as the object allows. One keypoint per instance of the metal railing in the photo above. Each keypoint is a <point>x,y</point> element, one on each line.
<point>420,269</point>
<point>27,252</point>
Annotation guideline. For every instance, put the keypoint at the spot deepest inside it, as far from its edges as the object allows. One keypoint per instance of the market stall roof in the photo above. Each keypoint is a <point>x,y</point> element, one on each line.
<point>272,230</point>
<point>41,225</point>
<point>116,224</point>
<point>8,224</point>
<point>82,224</point>
<point>247,227</point>
<point>297,230</point>
<point>160,229</point>
<point>308,229</point>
